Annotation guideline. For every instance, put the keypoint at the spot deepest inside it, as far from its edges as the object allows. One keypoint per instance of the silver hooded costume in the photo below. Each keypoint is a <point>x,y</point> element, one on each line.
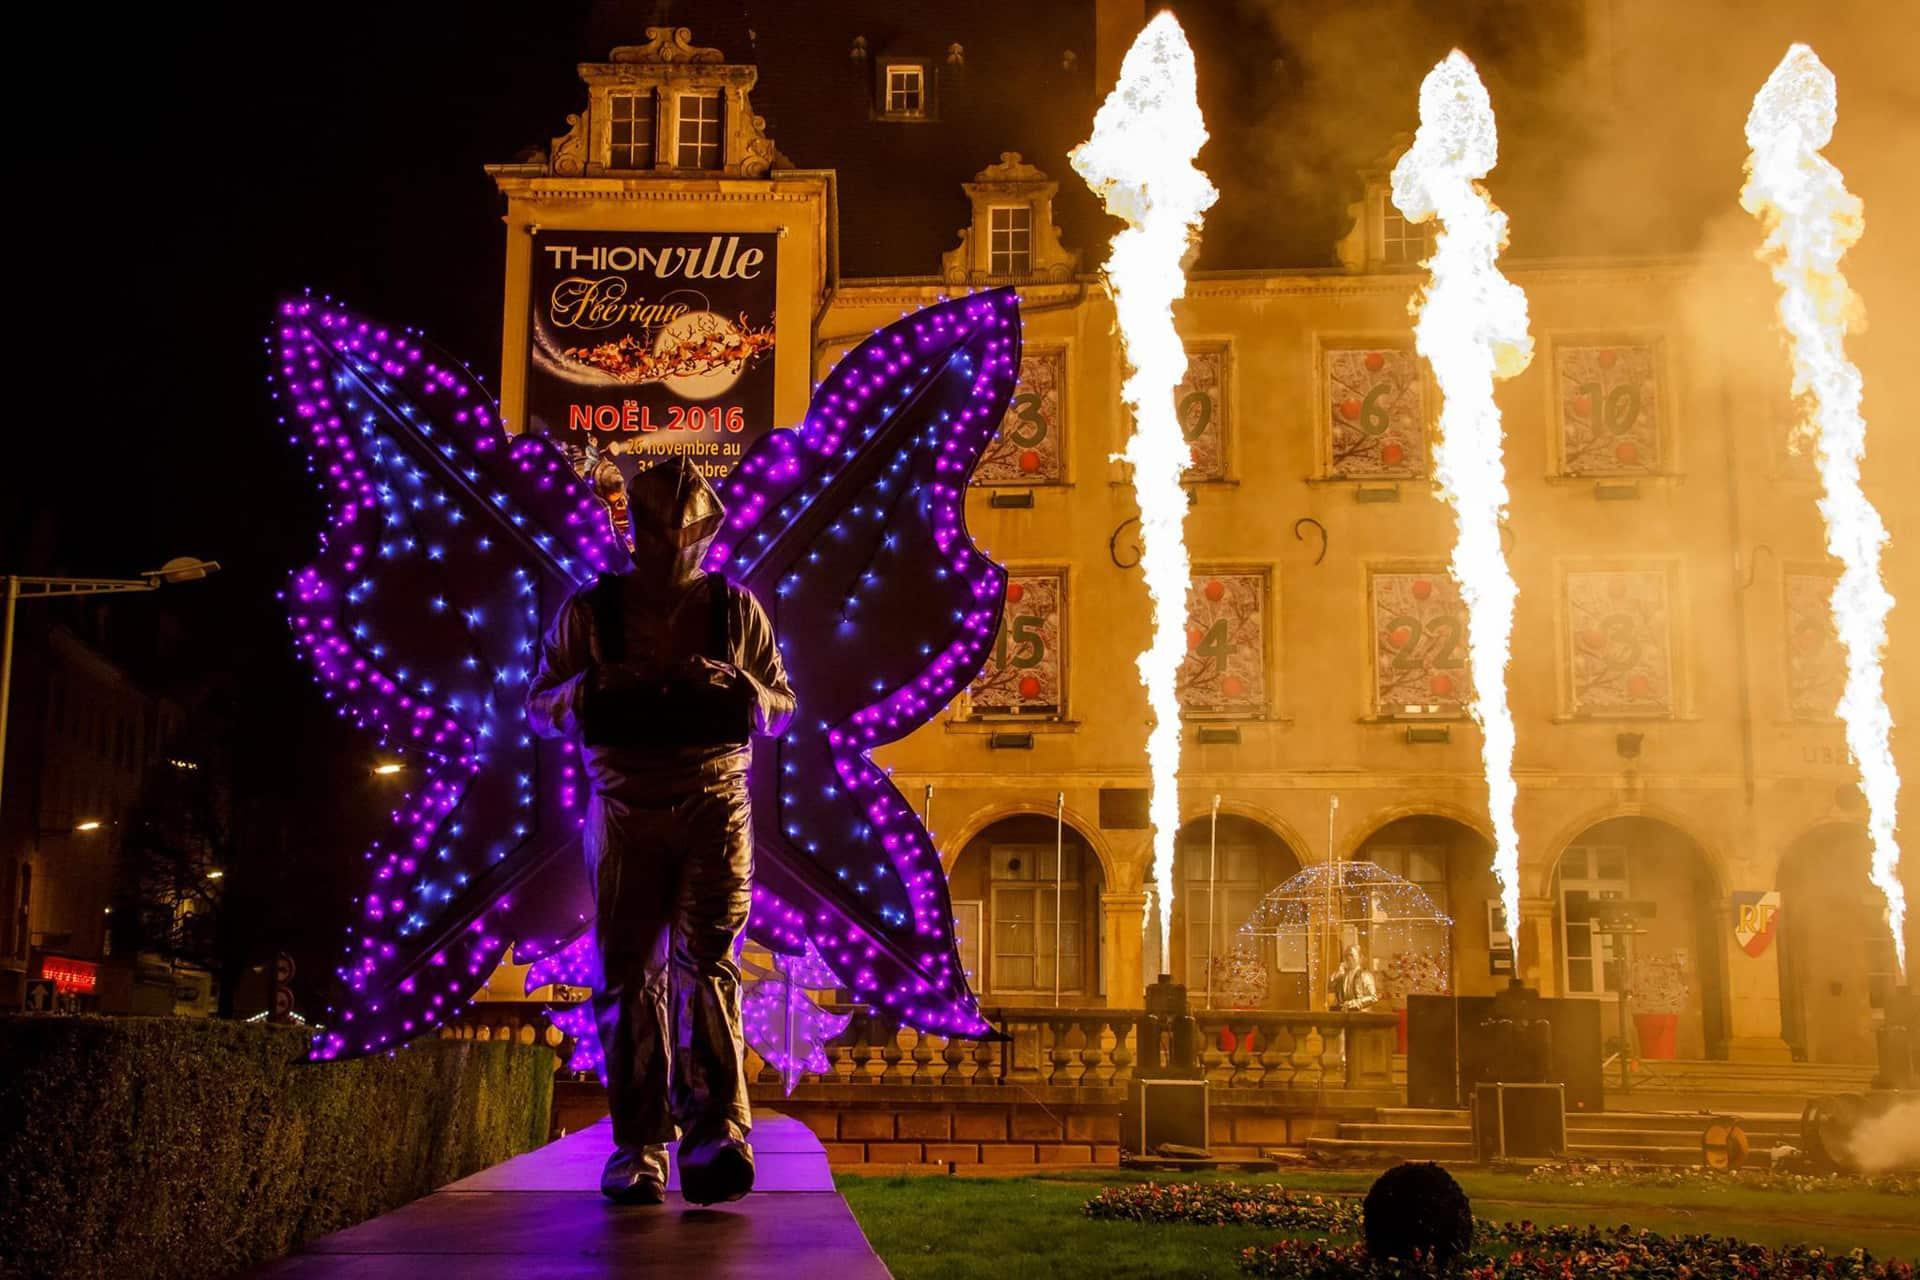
<point>661,673</point>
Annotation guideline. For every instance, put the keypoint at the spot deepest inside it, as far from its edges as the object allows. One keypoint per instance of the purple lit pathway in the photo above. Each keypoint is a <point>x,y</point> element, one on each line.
<point>540,1217</point>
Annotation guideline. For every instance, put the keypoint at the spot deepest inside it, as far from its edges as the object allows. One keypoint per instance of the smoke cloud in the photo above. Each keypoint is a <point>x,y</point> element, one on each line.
<point>1889,1142</point>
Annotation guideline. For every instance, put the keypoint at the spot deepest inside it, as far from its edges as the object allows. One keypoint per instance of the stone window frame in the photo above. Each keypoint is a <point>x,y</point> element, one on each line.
<point>701,143</point>
<point>1327,340</point>
<point>1016,259</point>
<point>1547,360</point>
<point>1679,641</point>
<point>650,150</point>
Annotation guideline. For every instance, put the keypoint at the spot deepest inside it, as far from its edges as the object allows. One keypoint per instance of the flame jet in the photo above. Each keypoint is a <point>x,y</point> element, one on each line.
<point>1471,325</point>
<point>1811,220</point>
<point>1140,161</point>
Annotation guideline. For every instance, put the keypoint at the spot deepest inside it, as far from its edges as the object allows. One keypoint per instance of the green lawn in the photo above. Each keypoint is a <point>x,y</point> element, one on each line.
<point>932,1226</point>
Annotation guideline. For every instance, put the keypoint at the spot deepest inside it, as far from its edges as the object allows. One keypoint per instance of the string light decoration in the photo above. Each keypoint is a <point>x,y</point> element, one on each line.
<point>448,545</point>
<point>1313,913</point>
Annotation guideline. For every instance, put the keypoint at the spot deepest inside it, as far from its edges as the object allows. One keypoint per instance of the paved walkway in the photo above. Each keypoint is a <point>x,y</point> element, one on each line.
<point>540,1216</point>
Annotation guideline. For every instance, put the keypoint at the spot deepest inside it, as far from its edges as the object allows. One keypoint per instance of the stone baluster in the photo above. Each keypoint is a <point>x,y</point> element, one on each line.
<point>1244,1032</point>
<point>1276,1056</point>
<point>1060,1056</point>
<point>891,1053</point>
<point>923,1058</point>
<point>1122,1054</point>
<point>1093,1053</point>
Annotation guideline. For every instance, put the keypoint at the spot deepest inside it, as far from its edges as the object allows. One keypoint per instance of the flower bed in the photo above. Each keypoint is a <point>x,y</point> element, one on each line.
<point>1628,1175</point>
<point>1216,1204</point>
<point>1522,1251</point>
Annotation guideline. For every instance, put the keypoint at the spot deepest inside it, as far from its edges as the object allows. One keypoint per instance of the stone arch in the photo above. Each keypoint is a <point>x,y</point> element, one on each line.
<point>987,815</point>
<point>1536,877</point>
<point>1197,809</point>
<point>1643,853</point>
<point>1019,923</point>
<point>1379,820</point>
<point>1450,856</point>
<point>1832,945</point>
<point>1255,858</point>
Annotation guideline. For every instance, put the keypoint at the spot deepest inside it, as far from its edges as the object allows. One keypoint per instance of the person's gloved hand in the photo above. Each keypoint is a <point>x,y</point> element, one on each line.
<point>702,672</point>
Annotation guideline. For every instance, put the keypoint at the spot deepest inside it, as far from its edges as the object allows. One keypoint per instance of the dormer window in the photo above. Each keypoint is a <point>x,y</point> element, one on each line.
<point>1011,233</point>
<point>1402,243</point>
<point>630,130</point>
<point>699,139</point>
<point>906,89</point>
<point>1010,240</point>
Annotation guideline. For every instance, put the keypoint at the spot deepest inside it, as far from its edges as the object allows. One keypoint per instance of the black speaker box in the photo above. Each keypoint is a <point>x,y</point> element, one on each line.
<point>1519,1120</point>
<point>1573,1056</point>
<point>1164,1111</point>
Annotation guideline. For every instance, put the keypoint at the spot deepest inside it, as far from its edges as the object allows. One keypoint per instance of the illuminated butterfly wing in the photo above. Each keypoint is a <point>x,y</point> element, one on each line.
<point>447,546</point>
<point>851,531</point>
<point>450,545</point>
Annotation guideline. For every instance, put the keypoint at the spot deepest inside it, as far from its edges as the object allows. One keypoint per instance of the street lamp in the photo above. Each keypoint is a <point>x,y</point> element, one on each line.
<point>23,586</point>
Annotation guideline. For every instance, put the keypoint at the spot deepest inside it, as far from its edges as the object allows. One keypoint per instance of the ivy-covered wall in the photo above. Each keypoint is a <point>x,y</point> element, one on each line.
<point>167,1147</point>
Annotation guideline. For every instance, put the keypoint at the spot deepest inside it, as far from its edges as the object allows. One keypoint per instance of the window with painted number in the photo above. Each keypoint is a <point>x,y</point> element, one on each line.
<point>1225,669</point>
<point>1010,240</point>
<point>1025,669</point>
<point>1030,446</point>
<point>700,140</point>
<point>906,89</point>
<point>1419,644</point>
<point>1375,412</point>
<point>1200,403</point>
<point>1620,642</point>
<point>630,131</point>
<point>1609,402</point>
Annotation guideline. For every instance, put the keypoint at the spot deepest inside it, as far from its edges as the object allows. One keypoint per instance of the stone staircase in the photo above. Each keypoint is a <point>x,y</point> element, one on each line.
<point>1636,1137</point>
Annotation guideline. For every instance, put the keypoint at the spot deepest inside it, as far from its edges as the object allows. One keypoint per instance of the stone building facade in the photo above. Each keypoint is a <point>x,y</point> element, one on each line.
<point>1674,667</point>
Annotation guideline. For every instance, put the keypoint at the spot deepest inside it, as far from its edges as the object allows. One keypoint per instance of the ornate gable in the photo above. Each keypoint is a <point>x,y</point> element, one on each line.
<point>1011,236</point>
<point>667,107</point>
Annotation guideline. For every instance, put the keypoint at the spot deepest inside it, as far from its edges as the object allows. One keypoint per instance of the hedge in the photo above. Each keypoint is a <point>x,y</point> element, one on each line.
<point>168,1147</point>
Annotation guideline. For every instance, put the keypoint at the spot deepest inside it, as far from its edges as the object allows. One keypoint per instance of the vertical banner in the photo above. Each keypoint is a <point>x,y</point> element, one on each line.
<point>644,345</point>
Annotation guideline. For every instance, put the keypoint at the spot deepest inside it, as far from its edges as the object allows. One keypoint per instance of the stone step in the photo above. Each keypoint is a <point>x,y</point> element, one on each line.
<point>1347,1148</point>
<point>1421,1116</point>
<point>1400,1133</point>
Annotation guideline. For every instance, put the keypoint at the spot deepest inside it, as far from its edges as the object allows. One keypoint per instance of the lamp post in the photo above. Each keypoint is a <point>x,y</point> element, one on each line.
<point>25,587</point>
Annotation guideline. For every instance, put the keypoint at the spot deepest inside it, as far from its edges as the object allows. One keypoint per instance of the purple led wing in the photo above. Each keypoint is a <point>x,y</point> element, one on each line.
<point>447,546</point>
<point>852,532</point>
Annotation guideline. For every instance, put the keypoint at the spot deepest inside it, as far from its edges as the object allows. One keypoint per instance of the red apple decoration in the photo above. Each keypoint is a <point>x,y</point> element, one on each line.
<point>1350,409</point>
<point>1593,638</point>
<point>1583,406</point>
<point>1375,362</point>
<point>1638,686</point>
<point>1030,461</point>
<point>1608,357</point>
<point>1194,636</point>
<point>1233,686</point>
<point>1442,684</point>
<point>1627,452</point>
<point>1215,590</point>
<point>1016,591</point>
<point>1617,587</point>
<point>1029,688</point>
<point>1422,588</point>
<point>1400,637</point>
<point>1391,453</point>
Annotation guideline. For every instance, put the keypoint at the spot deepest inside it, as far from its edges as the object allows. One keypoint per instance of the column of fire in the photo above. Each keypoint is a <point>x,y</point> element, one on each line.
<point>1471,325</point>
<point>1140,161</point>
